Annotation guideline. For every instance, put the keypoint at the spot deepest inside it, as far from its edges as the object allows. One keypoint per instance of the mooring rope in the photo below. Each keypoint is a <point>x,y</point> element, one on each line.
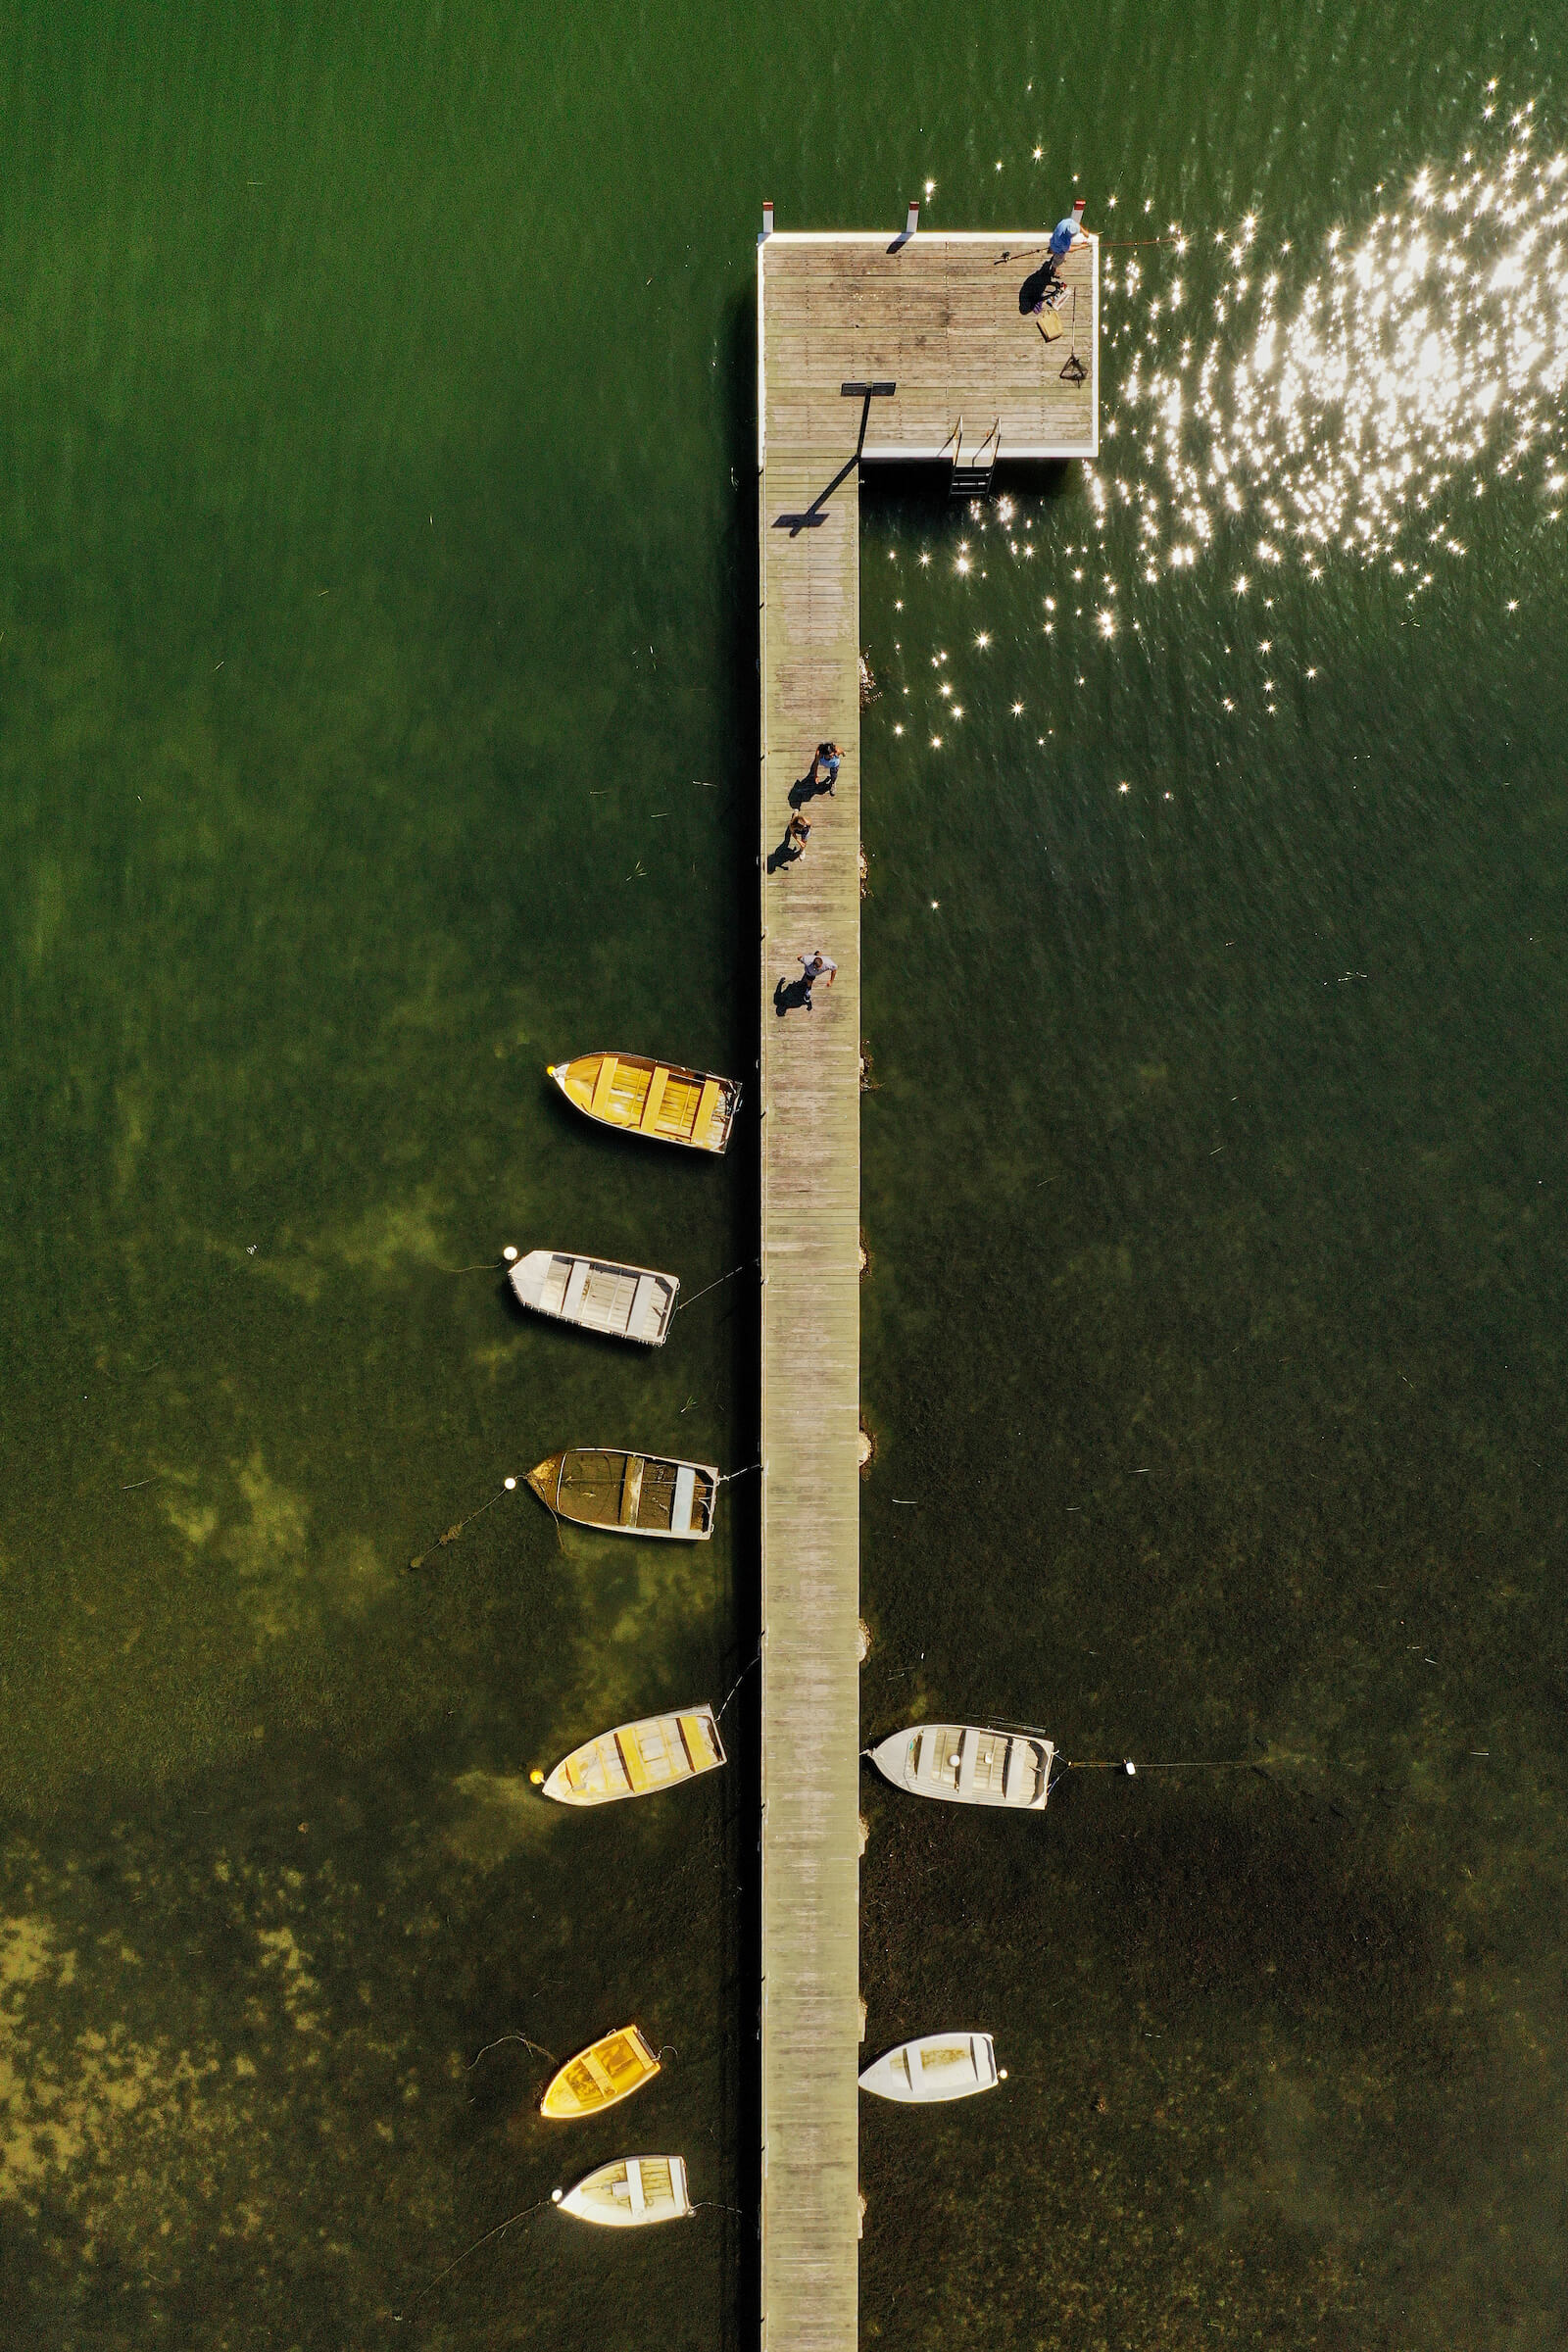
<point>739,1679</point>
<point>683,1303</point>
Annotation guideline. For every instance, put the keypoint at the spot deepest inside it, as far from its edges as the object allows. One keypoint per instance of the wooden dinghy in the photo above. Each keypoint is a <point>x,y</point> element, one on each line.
<point>657,1099</point>
<point>637,1759</point>
<point>634,1494</point>
<point>968,1765</point>
<point>939,2065</point>
<point>631,2192</point>
<point>626,1302</point>
<point>609,2071</point>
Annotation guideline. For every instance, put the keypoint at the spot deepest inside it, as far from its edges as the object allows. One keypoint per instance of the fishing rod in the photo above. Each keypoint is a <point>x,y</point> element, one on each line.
<point>1110,245</point>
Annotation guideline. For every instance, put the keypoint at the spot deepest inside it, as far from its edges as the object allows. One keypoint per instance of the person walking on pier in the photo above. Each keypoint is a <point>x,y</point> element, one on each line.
<point>827,761</point>
<point>797,833</point>
<point>816,966</point>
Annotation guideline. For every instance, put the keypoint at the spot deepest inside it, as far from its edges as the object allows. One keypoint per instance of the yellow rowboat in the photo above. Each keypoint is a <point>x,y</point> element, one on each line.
<point>631,2192</point>
<point>637,1759</point>
<point>657,1099</point>
<point>609,2071</point>
<point>635,1494</point>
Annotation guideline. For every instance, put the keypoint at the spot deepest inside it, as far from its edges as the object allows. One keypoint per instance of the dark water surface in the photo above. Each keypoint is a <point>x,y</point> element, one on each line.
<point>376,654</point>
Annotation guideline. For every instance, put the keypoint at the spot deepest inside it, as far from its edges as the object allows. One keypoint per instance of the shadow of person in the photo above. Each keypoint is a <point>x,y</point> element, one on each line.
<point>791,993</point>
<point>804,788</point>
<point>785,856</point>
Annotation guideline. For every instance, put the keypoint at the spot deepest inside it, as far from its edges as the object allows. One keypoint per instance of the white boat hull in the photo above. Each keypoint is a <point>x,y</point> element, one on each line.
<point>631,2193</point>
<point>624,1302</point>
<point>969,1764</point>
<point>933,2069</point>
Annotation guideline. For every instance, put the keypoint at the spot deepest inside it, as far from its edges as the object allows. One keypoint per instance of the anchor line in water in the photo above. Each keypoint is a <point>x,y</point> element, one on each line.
<point>499,2230</point>
<point>537,2046</point>
<point>456,1529</point>
<point>1184,1764</point>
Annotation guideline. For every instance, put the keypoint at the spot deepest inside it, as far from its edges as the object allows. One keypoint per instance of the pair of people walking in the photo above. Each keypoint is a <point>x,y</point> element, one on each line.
<point>821,776</point>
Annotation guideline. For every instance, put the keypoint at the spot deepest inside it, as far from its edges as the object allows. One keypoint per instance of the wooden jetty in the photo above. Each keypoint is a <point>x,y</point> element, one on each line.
<point>866,348</point>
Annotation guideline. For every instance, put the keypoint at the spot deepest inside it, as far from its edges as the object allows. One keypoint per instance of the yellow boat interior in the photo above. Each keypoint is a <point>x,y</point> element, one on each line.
<point>638,1758</point>
<point>655,1099</point>
<point>636,1494</point>
<point>609,2071</point>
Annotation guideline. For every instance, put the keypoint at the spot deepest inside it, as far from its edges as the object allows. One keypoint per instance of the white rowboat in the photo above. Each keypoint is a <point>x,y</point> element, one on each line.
<point>631,2192</point>
<point>968,1765</point>
<point>625,1303</point>
<point>939,2065</point>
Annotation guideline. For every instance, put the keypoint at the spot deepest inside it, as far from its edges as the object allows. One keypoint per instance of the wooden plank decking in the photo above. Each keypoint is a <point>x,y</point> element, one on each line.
<point>939,318</point>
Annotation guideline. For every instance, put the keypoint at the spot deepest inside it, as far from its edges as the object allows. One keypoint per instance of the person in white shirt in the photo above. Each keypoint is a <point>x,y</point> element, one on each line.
<point>816,966</point>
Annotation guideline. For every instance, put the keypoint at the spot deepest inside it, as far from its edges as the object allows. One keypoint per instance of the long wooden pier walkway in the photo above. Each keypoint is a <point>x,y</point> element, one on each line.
<point>937,318</point>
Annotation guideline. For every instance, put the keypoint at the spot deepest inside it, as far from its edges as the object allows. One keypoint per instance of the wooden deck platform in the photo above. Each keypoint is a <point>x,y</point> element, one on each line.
<point>938,317</point>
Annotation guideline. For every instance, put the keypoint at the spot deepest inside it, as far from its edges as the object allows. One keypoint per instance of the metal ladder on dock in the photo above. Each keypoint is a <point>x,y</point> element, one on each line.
<point>971,477</point>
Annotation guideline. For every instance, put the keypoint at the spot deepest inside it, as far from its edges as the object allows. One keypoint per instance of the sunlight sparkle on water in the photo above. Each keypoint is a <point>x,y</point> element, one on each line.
<point>1430,346</point>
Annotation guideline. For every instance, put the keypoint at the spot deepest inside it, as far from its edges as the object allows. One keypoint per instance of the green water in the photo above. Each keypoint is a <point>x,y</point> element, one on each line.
<point>377,677</point>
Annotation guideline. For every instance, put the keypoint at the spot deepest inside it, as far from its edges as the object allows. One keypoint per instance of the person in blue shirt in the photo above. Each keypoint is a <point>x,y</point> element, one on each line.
<point>1044,283</point>
<point>826,760</point>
